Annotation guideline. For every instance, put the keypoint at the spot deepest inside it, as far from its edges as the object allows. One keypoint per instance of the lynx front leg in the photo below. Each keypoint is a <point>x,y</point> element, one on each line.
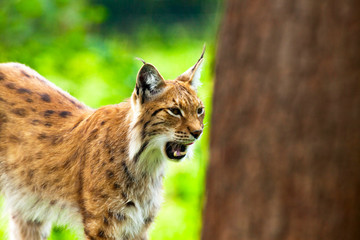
<point>97,228</point>
<point>21,229</point>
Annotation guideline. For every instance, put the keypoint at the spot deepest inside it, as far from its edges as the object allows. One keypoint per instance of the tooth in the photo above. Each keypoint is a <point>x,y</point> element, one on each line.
<point>182,153</point>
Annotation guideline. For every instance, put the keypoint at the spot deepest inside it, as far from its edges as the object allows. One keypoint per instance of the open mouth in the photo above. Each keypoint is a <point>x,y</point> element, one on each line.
<point>175,150</point>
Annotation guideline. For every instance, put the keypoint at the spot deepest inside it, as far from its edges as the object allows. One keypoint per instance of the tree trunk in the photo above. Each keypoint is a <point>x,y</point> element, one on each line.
<point>285,137</point>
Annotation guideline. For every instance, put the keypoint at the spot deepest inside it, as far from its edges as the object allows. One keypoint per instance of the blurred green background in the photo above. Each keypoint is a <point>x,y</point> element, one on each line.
<point>88,48</point>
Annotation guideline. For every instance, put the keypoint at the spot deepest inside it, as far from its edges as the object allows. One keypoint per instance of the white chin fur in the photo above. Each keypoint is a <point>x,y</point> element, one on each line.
<point>190,152</point>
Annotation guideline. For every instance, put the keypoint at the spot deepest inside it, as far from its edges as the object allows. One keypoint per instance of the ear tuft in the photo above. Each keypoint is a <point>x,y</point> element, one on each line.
<point>141,60</point>
<point>192,75</point>
<point>149,82</point>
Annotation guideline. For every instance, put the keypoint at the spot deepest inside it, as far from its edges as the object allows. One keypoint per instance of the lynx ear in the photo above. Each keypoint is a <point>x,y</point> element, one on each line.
<point>192,75</point>
<point>149,82</point>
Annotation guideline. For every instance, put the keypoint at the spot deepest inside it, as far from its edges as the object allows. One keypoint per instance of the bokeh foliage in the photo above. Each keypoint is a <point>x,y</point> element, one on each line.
<point>88,50</point>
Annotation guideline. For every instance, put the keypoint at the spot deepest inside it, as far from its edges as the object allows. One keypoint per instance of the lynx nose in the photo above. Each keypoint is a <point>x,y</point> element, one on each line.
<point>196,133</point>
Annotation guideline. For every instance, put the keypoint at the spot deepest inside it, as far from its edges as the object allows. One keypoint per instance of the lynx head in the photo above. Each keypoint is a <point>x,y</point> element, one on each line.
<point>169,114</point>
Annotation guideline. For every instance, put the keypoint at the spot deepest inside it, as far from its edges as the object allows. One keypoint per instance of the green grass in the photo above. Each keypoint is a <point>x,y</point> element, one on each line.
<point>102,72</point>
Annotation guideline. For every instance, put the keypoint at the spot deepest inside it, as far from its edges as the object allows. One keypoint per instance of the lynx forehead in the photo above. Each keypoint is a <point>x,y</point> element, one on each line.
<point>62,162</point>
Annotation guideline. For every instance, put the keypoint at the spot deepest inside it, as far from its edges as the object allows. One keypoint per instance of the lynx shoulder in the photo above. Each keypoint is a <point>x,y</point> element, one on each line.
<point>62,162</point>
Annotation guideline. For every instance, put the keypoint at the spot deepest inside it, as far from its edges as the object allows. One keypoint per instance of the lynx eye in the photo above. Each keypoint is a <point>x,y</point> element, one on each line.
<point>175,111</point>
<point>200,110</point>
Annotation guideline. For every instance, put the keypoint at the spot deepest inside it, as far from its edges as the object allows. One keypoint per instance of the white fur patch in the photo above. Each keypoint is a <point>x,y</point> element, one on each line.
<point>149,194</point>
<point>32,207</point>
<point>194,75</point>
<point>195,82</point>
<point>152,82</point>
<point>152,163</point>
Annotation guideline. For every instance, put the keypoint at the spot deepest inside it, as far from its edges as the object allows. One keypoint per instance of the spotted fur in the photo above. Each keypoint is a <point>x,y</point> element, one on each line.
<point>101,170</point>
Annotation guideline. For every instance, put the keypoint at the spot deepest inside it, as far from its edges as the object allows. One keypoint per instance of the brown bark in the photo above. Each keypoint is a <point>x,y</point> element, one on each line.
<point>285,137</point>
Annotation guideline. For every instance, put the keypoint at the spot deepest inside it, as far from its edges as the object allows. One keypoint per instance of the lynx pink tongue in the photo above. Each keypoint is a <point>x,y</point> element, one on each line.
<point>177,153</point>
<point>175,150</point>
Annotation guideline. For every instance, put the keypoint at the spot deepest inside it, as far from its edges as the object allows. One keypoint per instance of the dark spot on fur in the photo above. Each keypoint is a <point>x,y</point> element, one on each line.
<point>35,122</point>
<point>109,173</point>
<point>120,217</point>
<point>93,134</point>
<point>111,159</point>
<point>101,234</point>
<point>104,196</point>
<point>65,114</point>
<point>53,202</point>
<point>79,106</point>
<point>124,195</point>
<point>102,123</point>
<point>24,90</point>
<point>3,118</point>
<point>2,100</point>
<point>48,113</point>
<point>42,136</point>
<point>2,76</point>
<point>45,97</point>
<point>148,220</point>
<point>48,124</point>
<point>25,74</point>
<point>56,140</point>
<point>110,214</point>
<point>10,85</point>
<point>130,204</point>
<point>116,186</point>
<point>106,222</point>
<point>19,111</point>
<point>87,233</point>
<point>30,174</point>
<point>33,109</point>
<point>44,185</point>
<point>37,222</point>
<point>29,100</point>
<point>67,163</point>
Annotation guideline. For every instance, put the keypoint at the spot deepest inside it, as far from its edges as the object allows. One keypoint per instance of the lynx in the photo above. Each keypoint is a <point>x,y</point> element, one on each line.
<point>62,162</point>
